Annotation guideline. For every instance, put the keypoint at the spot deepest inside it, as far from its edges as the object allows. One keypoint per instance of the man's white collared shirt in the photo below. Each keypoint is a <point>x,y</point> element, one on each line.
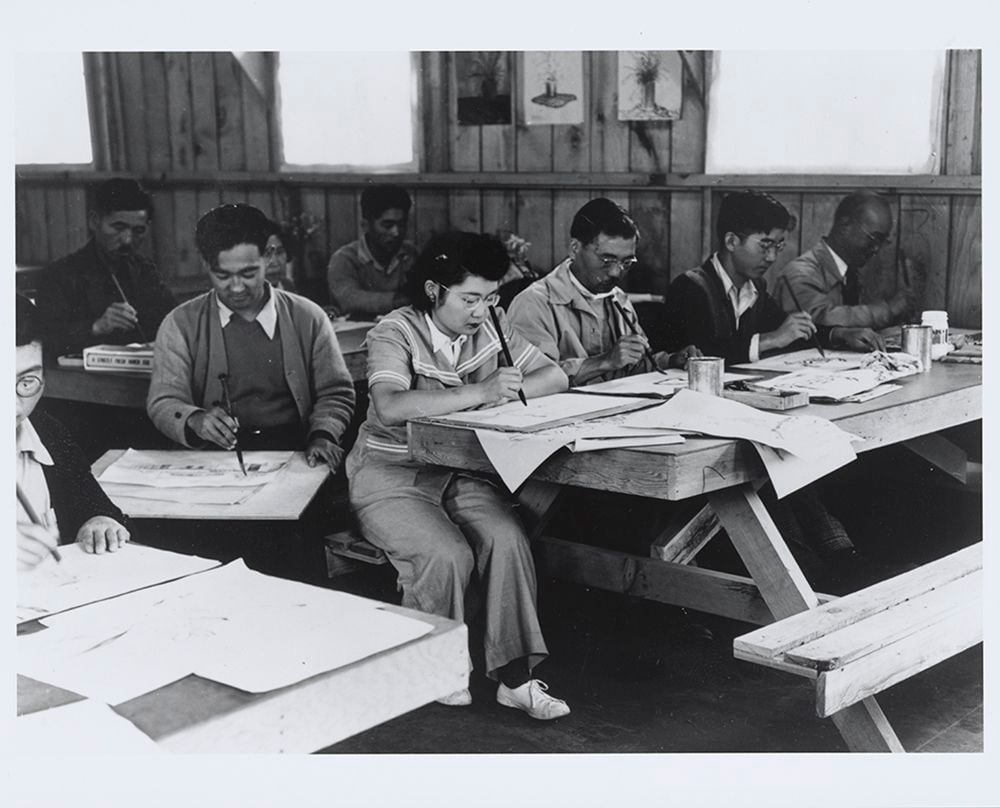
<point>743,299</point>
<point>267,316</point>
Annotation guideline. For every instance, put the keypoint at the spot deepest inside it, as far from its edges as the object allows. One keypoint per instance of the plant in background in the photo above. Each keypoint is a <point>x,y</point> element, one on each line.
<point>488,68</point>
<point>517,252</point>
<point>645,72</point>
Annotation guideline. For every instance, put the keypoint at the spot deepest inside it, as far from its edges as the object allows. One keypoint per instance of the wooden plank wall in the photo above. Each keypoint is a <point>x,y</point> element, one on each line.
<point>186,122</point>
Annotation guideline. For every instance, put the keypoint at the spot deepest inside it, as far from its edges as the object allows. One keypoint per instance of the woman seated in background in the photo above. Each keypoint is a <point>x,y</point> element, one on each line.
<point>278,255</point>
<point>453,538</point>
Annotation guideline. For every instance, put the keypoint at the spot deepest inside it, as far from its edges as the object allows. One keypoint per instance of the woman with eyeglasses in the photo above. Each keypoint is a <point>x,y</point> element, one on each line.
<point>57,496</point>
<point>453,538</point>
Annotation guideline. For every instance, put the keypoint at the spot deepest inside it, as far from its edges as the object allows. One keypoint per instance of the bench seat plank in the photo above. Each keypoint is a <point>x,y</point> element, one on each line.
<point>881,669</point>
<point>776,639</point>
<point>869,636</point>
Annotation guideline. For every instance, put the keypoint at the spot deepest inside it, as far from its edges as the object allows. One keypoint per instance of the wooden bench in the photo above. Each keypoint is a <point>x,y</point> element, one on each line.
<point>861,644</point>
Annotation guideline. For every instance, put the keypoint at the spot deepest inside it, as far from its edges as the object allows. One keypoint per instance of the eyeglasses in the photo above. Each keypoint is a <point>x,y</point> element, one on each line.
<point>274,252</point>
<point>876,240</point>
<point>473,302</point>
<point>768,244</point>
<point>28,386</point>
<point>609,261</point>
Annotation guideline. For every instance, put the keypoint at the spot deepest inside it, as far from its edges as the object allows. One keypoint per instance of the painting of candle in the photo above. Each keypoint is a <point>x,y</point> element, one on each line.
<point>553,87</point>
<point>649,85</point>
<point>483,82</point>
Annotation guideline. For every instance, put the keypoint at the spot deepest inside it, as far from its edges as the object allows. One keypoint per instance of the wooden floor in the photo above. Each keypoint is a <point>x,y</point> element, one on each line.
<point>642,677</point>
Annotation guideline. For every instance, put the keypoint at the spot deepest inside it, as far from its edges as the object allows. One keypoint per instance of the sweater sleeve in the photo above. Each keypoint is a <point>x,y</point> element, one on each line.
<point>331,388</point>
<point>170,401</point>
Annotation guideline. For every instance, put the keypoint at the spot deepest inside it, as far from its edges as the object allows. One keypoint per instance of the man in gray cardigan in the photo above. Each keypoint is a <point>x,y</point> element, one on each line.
<point>247,361</point>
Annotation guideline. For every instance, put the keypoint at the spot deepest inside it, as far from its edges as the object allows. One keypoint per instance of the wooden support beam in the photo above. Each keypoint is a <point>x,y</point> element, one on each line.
<point>538,502</point>
<point>696,588</point>
<point>784,588</point>
<point>685,534</point>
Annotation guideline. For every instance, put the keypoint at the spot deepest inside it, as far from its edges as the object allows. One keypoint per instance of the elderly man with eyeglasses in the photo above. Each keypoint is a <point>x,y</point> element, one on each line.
<point>825,280</point>
<point>579,316</point>
<point>58,499</point>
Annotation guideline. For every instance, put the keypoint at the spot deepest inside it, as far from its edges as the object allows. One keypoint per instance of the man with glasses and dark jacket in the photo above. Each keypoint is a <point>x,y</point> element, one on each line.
<point>579,316</point>
<point>825,280</point>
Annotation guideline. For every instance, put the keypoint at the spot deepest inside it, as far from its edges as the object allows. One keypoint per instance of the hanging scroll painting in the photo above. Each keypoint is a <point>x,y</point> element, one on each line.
<point>649,85</point>
<point>553,87</point>
<point>483,81</point>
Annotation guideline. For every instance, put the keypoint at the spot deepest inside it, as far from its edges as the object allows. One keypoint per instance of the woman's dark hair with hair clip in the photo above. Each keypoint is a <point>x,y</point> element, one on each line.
<point>450,257</point>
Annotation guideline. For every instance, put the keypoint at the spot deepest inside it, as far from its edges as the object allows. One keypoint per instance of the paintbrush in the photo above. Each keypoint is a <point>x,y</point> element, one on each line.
<point>228,404</point>
<point>506,351</point>
<point>634,329</point>
<point>795,300</point>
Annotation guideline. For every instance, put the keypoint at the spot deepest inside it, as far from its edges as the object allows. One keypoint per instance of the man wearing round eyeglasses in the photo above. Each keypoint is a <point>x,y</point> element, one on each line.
<point>825,280</point>
<point>57,496</point>
<point>578,314</point>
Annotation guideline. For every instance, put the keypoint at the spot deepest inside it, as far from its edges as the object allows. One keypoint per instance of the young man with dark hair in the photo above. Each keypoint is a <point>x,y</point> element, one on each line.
<point>287,382</point>
<point>53,478</point>
<point>723,306</point>
<point>366,277</point>
<point>825,280</point>
<point>106,292</point>
<point>578,315</point>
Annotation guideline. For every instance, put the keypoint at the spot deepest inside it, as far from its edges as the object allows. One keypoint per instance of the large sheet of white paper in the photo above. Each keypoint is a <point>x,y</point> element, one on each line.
<point>81,728</point>
<point>194,469</point>
<point>795,449</point>
<point>85,577</point>
<point>231,625</point>
<point>514,456</point>
<point>124,495</point>
<point>808,358</point>
<point>805,436</point>
<point>659,384</point>
<point>547,412</point>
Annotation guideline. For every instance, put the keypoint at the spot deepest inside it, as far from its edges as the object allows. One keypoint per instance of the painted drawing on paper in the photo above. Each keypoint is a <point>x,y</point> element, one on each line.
<point>649,85</point>
<point>483,81</point>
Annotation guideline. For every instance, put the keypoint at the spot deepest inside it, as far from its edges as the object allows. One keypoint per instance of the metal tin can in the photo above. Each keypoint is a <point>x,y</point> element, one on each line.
<point>705,374</point>
<point>917,342</point>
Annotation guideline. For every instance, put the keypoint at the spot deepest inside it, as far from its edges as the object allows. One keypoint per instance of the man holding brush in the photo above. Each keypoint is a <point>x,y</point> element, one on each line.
<point>723,306</point>
<point>248,365</point>
<point>58,499</point>
<point>106,292</point>
<point>826,282</point>
<point>579,316</point>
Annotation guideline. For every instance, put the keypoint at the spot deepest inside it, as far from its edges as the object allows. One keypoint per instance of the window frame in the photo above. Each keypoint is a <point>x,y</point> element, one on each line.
<point>938,127</point>
<point>42,168</point>
<point>413,167</point>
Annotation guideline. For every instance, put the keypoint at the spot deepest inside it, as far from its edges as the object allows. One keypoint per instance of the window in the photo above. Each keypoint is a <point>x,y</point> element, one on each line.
<point>349,111</point>
<point>824,112</point>
<point>51,124</point>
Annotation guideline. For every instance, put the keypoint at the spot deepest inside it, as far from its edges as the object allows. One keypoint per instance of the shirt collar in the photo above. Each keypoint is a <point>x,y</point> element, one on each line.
<point>840,262</point>
<point>441,341</point>
<point>744,297</point>
<point>267,316</point>
<point>28,442</point>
